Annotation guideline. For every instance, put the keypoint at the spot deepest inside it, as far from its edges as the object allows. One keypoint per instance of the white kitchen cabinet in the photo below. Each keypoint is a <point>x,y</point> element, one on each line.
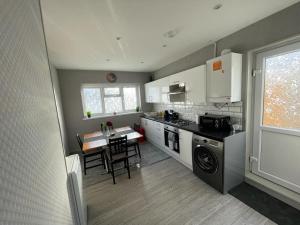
<point>164,89</point>
<point>176,78</point>
<point>195,85</point>
<point>185,145</point>
<point>144,124</point>
<point>148,126</point>
<point>158,134</point>
<point>147,92</point>
<point>154,131</point>
<point>195,82</point>
<point>224,78</point>
<point>152,92</point>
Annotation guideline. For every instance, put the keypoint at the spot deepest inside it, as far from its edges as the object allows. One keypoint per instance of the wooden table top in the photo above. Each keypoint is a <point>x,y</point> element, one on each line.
<point>102,140</point>
<point>91,135</point>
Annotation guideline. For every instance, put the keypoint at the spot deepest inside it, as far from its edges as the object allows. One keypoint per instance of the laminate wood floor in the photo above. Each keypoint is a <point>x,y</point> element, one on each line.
<point>165,193</point>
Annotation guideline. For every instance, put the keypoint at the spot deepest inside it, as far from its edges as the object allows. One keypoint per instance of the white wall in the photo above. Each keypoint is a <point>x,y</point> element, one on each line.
<point>33,188</point>
<point>59,108</point>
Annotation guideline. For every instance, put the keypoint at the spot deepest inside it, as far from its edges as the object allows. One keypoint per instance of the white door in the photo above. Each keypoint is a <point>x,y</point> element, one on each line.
<point>158,136</point>
<point>164,89</point>
<point>276,133</point>
<point>176,78</point>
<point>155,92</point>
<point>185,144</point>
<point>147,93</point>
<point>195,79</point>
<point>152,92</point>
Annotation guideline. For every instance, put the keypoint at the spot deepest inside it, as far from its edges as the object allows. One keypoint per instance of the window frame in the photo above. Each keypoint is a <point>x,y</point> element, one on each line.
<point>102,94</point>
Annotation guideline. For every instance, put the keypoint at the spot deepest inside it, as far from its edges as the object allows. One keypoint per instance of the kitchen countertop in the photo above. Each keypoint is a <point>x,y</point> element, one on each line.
<point>197,129</point>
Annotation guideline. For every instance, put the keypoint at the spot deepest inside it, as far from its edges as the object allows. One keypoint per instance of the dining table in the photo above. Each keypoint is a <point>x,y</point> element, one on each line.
<point>99,139</point>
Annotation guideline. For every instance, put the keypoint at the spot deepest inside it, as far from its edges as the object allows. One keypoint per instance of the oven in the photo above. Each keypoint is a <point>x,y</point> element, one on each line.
<point>171,136</point>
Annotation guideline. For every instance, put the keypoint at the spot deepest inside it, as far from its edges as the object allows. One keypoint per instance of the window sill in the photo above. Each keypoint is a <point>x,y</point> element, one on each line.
<point>111,116</point>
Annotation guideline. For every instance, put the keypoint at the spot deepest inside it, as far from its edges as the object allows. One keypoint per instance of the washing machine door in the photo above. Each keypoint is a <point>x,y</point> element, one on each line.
<point>206,160</point>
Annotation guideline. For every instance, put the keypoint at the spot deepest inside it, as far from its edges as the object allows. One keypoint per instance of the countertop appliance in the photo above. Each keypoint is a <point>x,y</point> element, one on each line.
<point>74,180</point>
<point>174,115</point>
<point>171,115</point>
<point>167,115</point>
<point>171,137</point>
<point>219,163</point>
<point>215,122</point>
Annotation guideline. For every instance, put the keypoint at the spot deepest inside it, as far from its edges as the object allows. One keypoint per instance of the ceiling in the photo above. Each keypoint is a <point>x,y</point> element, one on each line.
<point>82,34</point>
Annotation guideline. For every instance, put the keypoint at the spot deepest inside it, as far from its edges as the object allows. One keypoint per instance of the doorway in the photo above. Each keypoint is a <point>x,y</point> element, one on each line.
<point>276,123</point>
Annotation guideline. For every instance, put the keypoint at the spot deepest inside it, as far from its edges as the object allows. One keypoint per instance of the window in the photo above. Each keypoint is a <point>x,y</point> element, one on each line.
<point>113,100</point>
<point>106,100</point>
<point>130,98</point>
<point>92,100</point>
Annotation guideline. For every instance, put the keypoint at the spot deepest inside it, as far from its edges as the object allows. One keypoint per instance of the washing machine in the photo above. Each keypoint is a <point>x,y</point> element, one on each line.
<point>208,161</point>
<point>219,163</point>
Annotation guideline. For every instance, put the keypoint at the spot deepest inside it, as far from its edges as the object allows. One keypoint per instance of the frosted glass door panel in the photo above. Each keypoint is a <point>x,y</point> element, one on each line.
<point>282,91</point>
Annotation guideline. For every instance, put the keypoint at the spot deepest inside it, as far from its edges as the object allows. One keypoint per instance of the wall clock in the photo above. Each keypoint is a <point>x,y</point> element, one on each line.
<point>111,77</point>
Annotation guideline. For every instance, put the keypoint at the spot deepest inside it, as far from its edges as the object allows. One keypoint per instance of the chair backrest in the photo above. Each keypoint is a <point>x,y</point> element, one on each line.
<point>79,141</point>
<point>117,146</point>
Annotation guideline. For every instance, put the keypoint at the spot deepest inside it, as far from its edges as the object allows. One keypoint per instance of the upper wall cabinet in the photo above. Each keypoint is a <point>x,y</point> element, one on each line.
<point>224,78</point>
<point>195,84</point>
<point>157,91</point>
<point>152,92</point>
<point>164,89</point>
<point>194,80</point>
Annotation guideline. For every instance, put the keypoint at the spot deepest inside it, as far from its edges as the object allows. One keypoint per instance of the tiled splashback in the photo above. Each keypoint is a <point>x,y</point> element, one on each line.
<point>189,112</point>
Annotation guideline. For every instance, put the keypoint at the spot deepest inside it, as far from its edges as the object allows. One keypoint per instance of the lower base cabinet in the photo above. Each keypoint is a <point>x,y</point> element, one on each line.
<point>185,145</point>
<point>154,131</point>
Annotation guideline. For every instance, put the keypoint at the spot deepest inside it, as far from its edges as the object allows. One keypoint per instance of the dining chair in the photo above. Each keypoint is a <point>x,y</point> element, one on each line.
<point>117,152</point>
<point>92,153</point>
<point>133,145</point>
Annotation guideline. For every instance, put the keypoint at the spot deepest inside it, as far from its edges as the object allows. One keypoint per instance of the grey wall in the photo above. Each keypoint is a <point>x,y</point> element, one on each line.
<point>32,168</point>
<point>276,27</point>
<point>59,108</point>
<point>70,84</point>
<point>195,59</point>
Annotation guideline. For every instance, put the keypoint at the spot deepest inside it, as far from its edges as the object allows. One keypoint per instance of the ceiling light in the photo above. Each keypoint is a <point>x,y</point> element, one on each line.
<point>217,6</point>
<point>171,33</point>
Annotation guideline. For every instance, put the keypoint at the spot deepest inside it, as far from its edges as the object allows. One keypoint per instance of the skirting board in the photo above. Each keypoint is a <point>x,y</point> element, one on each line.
<point>289,197</point>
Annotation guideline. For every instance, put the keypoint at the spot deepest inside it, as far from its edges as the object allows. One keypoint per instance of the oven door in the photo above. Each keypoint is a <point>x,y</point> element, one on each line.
<point>172,140</point>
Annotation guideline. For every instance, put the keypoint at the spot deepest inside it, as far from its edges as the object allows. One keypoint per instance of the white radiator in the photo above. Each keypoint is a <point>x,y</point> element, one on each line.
<point>79,208</point>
